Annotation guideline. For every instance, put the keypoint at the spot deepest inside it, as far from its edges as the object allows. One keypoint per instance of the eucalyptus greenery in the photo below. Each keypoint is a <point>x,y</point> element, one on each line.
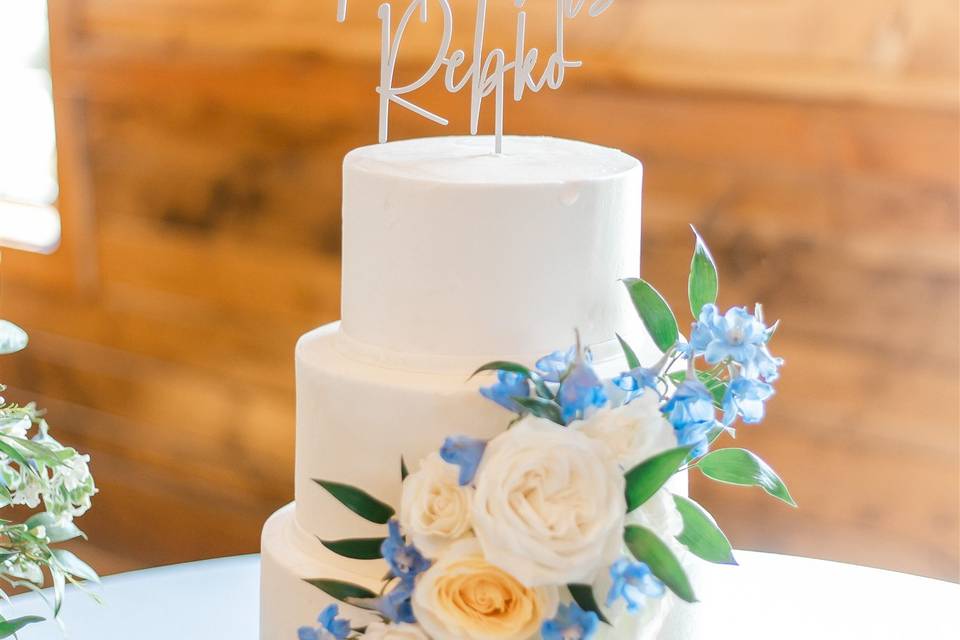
<point>38,473</point>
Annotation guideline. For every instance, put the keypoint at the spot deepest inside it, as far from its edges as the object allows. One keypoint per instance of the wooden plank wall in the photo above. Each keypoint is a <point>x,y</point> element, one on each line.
<point>815,144</point>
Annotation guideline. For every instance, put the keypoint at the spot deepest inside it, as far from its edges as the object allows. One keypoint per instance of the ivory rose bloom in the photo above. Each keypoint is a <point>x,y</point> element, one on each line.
<point>381,631</point>
<point>464,597</point>
<point>549,504</point>
<point>632,433</point>
<point>434,508</point>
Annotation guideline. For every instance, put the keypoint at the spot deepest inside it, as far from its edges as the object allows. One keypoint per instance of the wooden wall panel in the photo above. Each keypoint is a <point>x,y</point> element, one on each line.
<point>814,145</point>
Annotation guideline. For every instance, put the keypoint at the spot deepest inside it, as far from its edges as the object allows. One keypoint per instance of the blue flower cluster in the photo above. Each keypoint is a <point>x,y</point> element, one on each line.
<point>406,563</point>
<point>571,623</point>
<point>633,582</point>
<point>692,415</point>
<point>465,452</point>
<point>637,380</point>
<point>331,627</point>
<point>578,388</point>
<point>509,385</point>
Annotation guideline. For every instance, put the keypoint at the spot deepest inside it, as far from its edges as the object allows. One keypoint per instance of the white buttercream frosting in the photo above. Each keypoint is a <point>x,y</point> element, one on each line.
<point>451,251</point>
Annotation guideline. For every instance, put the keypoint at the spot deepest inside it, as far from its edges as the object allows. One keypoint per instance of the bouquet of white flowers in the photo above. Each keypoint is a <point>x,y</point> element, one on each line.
<point>38,472</point>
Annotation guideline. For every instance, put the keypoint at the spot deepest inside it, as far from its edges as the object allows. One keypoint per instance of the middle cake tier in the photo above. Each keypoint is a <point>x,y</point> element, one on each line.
<point>359,410</point>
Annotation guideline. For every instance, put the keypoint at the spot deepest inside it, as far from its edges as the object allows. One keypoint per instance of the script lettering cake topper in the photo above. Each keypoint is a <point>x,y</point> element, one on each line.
<point>485,73</point>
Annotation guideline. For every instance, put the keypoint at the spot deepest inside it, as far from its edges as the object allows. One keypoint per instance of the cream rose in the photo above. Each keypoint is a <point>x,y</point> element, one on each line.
<point>632,433</point>
<point>381,631</point>
<point>434,508</point>
<point>549,504</point>
<point>464,597</point>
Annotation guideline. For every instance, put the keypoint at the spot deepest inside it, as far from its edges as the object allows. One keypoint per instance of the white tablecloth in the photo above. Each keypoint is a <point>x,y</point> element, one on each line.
<point>767,597</point>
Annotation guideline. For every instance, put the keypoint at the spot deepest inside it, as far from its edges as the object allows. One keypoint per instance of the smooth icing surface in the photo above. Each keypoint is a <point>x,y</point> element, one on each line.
<point>451,251</point>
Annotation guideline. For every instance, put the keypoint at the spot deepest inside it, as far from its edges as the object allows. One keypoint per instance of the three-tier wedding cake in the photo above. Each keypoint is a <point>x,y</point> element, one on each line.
<point>452,256</point>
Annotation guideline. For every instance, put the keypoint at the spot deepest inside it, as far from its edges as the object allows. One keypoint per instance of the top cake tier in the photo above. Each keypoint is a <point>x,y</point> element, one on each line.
<point>453,253</point>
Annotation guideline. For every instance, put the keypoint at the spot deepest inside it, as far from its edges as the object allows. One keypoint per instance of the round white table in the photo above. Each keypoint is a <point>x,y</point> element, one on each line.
<point>766,597</point>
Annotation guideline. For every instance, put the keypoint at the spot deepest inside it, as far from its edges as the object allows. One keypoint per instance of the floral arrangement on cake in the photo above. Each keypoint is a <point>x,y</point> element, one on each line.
<point>37,470</point>
<point>562,526</point>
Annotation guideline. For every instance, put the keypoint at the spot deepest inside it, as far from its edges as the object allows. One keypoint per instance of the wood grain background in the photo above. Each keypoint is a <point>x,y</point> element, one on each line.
<point>815,145</point>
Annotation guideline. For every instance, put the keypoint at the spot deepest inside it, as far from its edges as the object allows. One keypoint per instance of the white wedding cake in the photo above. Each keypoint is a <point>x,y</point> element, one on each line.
<point>453,256</point>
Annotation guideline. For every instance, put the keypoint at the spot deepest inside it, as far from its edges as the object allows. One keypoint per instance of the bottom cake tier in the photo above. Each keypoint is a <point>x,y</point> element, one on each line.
<point>290,557</point>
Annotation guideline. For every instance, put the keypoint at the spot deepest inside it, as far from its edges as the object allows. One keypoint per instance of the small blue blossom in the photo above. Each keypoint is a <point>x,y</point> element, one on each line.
<point>552,366</point>
<point>580,391</point>
<point>738,335</point>
<point>465,452</point>
<point>692,415</point>
<point>637,379</point>
<point>509,385</point>
<point>634,583</point>
<point>405,560</point>
<point>331,627</point>
<point>571,623</point>
<point>396,605</point>
<point>745,396</point>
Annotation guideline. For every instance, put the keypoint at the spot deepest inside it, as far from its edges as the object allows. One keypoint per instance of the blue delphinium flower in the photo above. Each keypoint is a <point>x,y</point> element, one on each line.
<point>745,396</point>
<point>509,385</point>
<point>738,335</point>
<point>465,452</point>
<point>405,560</point>
<point>396,605</point>
<point>634,583</point>
<point>580,391</point>
<point>552,366</point>
<point>637,380</point>
<point>571,623</point>
<point>692,415</point>
<point>331,627</point>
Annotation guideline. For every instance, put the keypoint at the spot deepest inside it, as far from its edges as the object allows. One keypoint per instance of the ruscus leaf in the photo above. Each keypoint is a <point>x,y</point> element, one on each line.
<point>701,534</point>
<point>583,595</point>
<point>404,472</point>
<point>654,312</point>
<point>356,548</point>
<point>703,283</point>
<point>541,408</point>
<point>744,468</point>
<point>75,566</point>
<point>647,547</point>
<point>359,501</point>
<point>646,478</point>
<point>632,360</point>
<point>339,590</point>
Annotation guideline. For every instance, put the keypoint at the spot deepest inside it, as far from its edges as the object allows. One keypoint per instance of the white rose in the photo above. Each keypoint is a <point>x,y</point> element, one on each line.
<point>549,504</point>
<point>464,597</point>
<point>381,631</point>
<point>659,514</point>
<point>434,508</point>
<point>633,432</point>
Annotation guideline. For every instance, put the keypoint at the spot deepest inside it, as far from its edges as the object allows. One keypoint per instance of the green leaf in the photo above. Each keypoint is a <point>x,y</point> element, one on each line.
<point>12,339</point>
<point>541,408</point>
<point>654,311</point>
<point>701,534</point>
<point>632,360</point>
<point>10,627</point>
<point>342,591</point>
<point>358,501</point>
<point>583,595</point>
<point>646,478</point>
<point>356,548</point>
<point>16,456</point>
<point>647,547</point>
<point>503,365</point>
<point>703,284</point>
<point>56,531</point>
<point>403,469</point>
<point>745,468</point>
<point>75,566</point>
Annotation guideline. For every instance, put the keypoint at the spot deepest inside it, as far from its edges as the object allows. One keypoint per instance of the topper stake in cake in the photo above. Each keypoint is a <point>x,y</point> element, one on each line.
<point>485,74</point>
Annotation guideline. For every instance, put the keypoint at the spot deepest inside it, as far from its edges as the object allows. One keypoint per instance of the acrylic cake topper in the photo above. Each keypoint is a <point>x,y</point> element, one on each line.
<point>485,74</point>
